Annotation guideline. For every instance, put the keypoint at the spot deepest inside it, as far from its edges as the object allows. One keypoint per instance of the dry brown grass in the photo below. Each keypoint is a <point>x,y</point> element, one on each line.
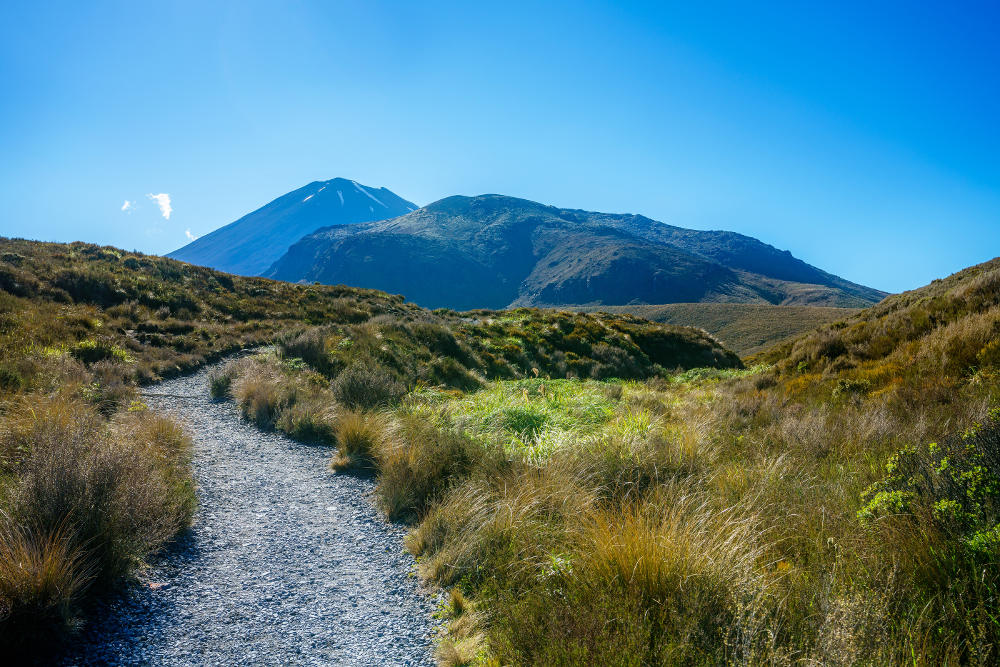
<point>416,461</point>
<point>261,392</point>
<point>273,394</point>
<point>87,499</point>
<point>358,434</point>
<point>42,574</point>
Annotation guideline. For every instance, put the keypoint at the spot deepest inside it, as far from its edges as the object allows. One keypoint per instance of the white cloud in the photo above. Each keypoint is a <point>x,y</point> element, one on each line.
<point>163,201</point>
<point>128,206</point>
<point>191,237</point>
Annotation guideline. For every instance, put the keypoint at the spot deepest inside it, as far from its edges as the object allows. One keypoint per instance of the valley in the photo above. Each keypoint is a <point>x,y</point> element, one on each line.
<point>747,329</point>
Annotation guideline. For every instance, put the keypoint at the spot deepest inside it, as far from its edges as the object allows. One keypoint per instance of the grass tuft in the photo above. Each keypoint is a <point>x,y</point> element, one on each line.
<point>42,574</point>
<point>357,434</point>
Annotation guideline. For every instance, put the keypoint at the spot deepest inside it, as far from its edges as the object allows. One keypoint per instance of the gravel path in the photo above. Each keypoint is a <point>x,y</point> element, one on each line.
<point>287,563</point>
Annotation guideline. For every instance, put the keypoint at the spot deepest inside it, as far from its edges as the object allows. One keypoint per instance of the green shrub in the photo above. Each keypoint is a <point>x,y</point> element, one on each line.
<point>846,386</point>
<point>93,351</point>
<point>219,383</point>
<point>310,346</point>
<point>956,483</point>
<point>10,379</point>
<point>451,373</point>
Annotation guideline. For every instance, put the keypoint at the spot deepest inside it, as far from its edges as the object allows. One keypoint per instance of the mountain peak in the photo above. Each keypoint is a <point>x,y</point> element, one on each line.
<point>251,244</point>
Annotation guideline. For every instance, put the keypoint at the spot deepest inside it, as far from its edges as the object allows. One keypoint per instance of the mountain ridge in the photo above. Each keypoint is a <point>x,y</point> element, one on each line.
<point>499,251</point>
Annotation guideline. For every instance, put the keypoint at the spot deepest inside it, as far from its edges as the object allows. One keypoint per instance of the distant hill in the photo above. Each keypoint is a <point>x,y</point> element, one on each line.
<point>251,244</point>
<point>745,328</point>
<point>494,251</point>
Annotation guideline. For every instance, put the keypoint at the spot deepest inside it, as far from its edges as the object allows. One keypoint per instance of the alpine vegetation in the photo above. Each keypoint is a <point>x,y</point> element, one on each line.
<point>836,502</point>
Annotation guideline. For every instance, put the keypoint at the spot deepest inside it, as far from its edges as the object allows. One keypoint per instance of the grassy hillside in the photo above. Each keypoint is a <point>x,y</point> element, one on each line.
<point>745,328</point>
<point>944,333</point>
<point>92,483</point>
<point>151,316</point>
<point>839,503</point>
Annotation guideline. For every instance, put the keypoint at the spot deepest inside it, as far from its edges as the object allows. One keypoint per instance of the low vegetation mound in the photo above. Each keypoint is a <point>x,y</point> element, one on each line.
<point>319,372</point>
<point>461,350</point>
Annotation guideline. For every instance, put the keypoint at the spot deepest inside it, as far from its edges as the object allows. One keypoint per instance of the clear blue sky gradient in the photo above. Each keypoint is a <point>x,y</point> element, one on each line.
<point>863,138</point>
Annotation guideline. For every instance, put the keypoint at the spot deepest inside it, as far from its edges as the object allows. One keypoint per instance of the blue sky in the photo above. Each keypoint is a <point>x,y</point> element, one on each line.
<point>862,138</point>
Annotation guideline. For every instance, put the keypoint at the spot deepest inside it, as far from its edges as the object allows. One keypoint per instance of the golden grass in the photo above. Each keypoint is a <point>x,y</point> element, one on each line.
<point>42,573</point>
<point>358,434</point>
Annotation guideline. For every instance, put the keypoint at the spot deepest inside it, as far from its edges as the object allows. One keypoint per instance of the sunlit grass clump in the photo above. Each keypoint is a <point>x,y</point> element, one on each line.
<point>532,418</point>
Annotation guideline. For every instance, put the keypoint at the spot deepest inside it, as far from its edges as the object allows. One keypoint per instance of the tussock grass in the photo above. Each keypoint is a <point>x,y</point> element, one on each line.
<point>42,574</point>
<point>276,394</point>
<point>838,505</point>
<point>416,462</point>
<point>367,387</point>
<point>87,501</point>
<point>358,434</point>
<point>219,384</point>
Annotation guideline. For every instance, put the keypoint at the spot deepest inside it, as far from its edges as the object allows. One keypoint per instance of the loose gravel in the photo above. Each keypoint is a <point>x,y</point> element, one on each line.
<point>287,563</point>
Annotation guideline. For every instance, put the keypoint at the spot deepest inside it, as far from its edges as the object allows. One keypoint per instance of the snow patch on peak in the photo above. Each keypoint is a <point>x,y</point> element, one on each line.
<point>364,191</point>
<point>341,195</point>
<point>308,198</point>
